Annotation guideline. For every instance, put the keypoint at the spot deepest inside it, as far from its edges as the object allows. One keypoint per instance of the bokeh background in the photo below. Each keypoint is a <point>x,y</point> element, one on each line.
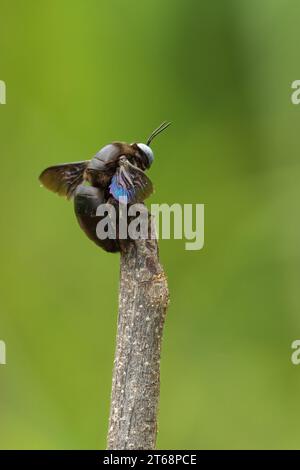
<point>80,74</point>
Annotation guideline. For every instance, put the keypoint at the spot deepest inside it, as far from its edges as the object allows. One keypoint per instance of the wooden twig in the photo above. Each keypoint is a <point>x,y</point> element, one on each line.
<point>143,301</point>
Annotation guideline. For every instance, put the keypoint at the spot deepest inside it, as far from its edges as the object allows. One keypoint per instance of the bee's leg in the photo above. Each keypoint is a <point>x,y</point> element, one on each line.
<point>86,202</point>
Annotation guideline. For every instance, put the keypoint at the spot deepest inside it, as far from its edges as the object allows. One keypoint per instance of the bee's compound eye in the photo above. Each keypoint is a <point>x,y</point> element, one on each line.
<point>148,152</point>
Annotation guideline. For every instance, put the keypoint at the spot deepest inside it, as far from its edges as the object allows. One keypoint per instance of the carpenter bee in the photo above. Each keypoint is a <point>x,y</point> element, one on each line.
<point>116,172</point>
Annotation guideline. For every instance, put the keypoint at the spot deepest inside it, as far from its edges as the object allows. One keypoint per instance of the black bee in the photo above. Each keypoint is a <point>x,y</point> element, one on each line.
<point>115,172</point>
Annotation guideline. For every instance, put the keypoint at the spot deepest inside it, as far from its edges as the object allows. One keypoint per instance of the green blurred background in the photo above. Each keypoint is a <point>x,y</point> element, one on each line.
<point>80,74</point>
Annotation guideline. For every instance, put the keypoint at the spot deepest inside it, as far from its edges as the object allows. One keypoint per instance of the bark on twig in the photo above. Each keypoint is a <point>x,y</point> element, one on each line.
<point>143,301</point>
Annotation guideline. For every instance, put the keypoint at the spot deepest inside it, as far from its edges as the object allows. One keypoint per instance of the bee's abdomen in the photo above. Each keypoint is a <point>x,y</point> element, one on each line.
<point>86,202</point>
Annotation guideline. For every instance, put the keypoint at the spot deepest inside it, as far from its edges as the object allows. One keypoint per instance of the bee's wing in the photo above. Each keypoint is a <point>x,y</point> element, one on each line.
<point>130,182</point>
<point>63,179</point>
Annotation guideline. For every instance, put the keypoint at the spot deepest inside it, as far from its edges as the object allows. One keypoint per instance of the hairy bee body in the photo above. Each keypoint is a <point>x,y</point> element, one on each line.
<point>116,173</point>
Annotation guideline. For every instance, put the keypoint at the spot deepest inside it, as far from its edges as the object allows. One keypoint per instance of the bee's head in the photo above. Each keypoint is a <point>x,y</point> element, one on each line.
<point>145,148</point>
<point>147,151</point>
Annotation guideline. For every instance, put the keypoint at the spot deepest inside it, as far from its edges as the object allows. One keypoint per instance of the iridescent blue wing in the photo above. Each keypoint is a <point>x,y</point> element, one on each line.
<point>130,182</point>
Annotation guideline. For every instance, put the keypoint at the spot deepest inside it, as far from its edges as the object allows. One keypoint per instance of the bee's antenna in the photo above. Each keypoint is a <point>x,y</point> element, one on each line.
<point>157,131</point>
